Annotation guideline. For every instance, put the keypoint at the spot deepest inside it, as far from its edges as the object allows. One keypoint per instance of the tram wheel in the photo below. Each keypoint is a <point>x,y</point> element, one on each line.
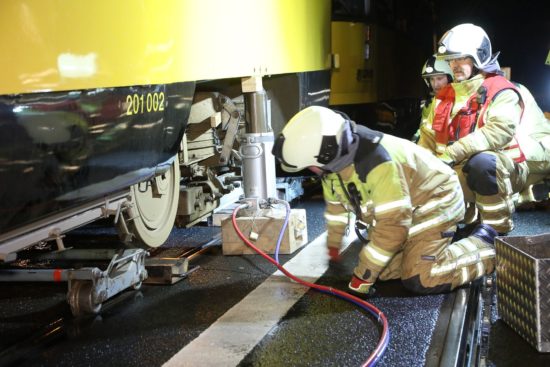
<point>155,207</point>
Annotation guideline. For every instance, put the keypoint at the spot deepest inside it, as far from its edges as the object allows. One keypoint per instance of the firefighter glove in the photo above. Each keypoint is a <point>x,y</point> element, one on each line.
<point>360,286</point>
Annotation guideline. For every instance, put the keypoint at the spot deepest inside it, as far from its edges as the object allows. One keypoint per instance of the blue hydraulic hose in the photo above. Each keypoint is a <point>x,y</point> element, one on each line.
<point>283,228</point>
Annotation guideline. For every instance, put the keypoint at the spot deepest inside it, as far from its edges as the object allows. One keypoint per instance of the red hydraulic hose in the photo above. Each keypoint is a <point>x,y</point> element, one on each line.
<point>384,337</point>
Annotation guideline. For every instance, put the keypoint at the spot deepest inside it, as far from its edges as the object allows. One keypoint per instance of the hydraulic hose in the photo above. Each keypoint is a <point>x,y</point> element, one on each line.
<point>381,318</point>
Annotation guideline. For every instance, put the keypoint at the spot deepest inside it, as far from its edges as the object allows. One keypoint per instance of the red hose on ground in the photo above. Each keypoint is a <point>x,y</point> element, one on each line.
<point>382,343</point>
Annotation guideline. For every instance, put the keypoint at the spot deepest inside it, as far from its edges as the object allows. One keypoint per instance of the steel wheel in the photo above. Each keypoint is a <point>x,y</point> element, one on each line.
<point>155,204</point>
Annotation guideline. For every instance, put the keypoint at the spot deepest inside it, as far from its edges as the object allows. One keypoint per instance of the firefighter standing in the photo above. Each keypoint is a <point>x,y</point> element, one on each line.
<point>411,200</point>
<point>475,122</point>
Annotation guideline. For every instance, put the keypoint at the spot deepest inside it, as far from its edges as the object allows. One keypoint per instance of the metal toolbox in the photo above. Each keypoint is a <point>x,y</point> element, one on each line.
<point>523,286</point>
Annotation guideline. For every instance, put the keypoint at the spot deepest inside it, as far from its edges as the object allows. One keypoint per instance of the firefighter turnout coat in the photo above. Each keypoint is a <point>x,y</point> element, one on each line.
<point>412,202</point>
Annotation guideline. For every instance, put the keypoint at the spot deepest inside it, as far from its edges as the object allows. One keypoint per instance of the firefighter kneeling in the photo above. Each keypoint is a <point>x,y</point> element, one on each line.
<point>410,200</point>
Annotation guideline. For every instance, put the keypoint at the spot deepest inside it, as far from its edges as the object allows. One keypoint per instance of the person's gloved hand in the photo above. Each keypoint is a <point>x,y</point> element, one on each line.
<point>334,255</point>
<point>446,158</point>
<point>360,286</point>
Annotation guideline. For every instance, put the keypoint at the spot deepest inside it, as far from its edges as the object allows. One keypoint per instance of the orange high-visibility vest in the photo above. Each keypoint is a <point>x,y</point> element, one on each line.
<point>470,117</point>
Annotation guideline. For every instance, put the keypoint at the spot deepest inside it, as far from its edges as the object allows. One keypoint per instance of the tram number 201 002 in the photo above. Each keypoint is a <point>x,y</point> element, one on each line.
<point>142,103</point>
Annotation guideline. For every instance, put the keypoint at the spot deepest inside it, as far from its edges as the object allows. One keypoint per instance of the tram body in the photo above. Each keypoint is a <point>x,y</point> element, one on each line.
<point>95,100</point>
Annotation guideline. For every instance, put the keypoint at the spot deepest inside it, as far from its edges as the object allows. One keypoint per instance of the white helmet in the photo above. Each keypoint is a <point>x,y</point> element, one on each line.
<point>311,138</point>
<point>466,40</point>
<point>433,67</point>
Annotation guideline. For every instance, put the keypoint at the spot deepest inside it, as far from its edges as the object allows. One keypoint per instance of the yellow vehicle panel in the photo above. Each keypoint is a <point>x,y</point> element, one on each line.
<point>353,77</point>
<point>54,45</point>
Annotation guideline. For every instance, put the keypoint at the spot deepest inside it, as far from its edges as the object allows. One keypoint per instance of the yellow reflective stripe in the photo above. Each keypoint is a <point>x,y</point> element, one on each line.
<point>378,256</point>
<point>465,276</point>
<point>463,261</point>
<point>440,148</point>
<point>467,259</point>
<point>333,202</point>
<point>454,264</point>
<point>495,221</point>
<point>456,250</point>
<point>493,207</point>
<point>384,208</point>
<point>480,269</point>
<point>449,216</point>
<point>508,184</point>
<point>435,203</point>
<point>442,269</point>
<point>468,246</point>
<point>487,253</point>
<point>365,208</point>
<point>342,218</point>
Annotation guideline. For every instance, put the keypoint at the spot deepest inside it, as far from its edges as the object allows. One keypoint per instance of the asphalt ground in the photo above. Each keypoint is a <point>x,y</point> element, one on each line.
<point>153,325</point>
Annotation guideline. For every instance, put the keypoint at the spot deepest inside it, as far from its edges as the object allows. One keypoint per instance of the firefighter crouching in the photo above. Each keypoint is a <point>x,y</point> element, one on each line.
<point>475,120</point>
<point>412,200</point>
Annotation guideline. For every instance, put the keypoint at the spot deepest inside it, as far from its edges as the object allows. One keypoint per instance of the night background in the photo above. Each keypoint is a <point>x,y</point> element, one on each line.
<point>520,30</point>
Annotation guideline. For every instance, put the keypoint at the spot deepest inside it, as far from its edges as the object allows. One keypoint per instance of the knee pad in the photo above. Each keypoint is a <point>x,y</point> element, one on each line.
<point>481,174</point>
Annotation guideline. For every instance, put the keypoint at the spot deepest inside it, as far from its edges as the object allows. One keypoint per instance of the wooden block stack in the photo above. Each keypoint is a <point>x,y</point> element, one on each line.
<point>267,228</point>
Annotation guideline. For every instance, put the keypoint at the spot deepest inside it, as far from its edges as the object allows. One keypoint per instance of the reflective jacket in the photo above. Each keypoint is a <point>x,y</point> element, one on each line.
<point>402,190</point>
<point>478,114</point>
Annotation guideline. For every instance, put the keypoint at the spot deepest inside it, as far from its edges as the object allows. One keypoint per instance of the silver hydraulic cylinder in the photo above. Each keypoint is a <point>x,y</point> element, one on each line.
<point>258,163</point>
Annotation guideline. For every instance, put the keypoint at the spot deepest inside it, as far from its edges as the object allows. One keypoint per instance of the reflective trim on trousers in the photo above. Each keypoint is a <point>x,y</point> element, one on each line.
<point>465,275</point>
<point>480,269</point>
<point>379,255</point>
<point>463,261</point>
<point>497,222</point>
<point>492,208</point>
<point>337,218</point>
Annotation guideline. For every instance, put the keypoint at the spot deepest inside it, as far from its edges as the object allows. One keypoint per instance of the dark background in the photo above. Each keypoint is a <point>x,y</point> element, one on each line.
<point>520,30</point>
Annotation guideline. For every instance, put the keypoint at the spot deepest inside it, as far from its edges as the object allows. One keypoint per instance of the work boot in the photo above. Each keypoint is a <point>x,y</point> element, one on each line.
<point>534,193</point>
<point>486,233</point>
<point>541,191</point>
<point>360,286</point>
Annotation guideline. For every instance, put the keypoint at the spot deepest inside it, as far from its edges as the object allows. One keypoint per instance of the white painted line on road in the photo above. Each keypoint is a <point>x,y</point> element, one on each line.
<point>228,340</point>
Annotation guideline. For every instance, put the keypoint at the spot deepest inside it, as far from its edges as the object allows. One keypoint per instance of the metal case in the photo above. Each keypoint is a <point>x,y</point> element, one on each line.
<point>523,286</point>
